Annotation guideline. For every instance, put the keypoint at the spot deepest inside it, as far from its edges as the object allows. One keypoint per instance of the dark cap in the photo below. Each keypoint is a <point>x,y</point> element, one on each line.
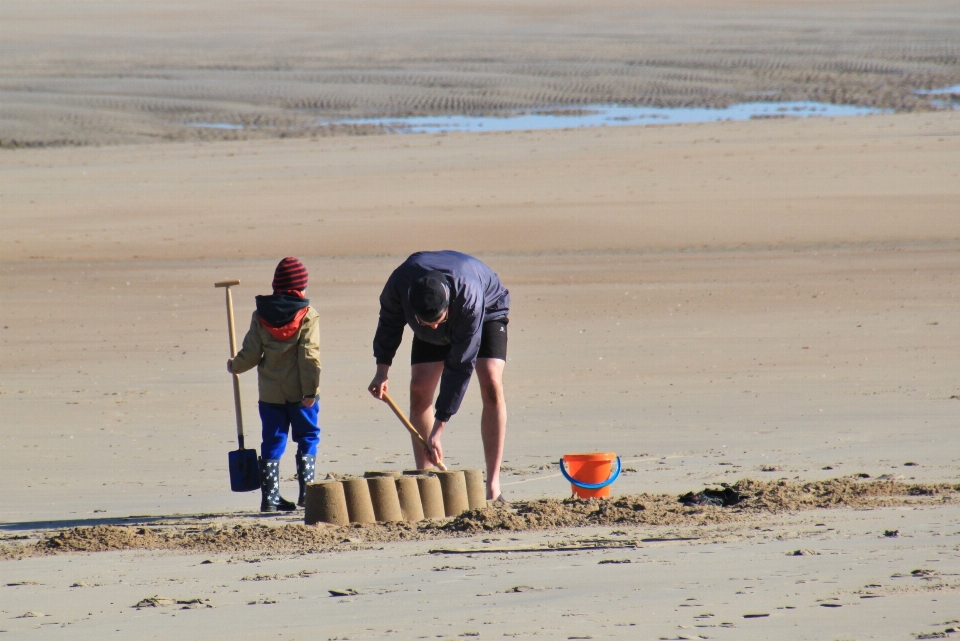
<point>429,296</point>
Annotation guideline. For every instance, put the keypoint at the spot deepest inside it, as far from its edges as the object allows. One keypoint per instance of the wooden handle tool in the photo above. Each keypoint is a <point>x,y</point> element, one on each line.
<point>227,284</point>
<point>410,428</point>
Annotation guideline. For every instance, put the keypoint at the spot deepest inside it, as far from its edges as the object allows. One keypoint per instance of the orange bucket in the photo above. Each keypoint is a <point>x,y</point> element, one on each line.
<point>590,474</point>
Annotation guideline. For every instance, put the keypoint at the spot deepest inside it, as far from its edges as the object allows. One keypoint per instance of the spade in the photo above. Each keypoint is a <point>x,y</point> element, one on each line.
<point>244,466</point>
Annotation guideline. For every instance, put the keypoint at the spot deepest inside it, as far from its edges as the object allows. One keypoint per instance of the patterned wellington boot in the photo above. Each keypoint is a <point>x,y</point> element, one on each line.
<point>306,467</point>
<point>270,488</point>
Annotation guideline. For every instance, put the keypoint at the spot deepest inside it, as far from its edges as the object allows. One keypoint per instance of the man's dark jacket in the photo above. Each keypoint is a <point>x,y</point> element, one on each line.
<point>476,297</point>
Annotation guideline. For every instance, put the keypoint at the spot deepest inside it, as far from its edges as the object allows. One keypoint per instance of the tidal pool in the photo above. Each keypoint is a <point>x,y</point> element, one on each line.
<point>611,116</point>
<point>955,89</point>
<point>949,97</point>
<point>597,116</point>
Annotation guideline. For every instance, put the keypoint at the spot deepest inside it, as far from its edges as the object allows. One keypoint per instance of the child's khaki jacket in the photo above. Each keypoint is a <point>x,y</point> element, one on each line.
<point>287,370</point>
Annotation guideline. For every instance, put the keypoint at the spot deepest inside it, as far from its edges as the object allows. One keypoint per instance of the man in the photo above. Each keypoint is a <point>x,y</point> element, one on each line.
<point>457,310</point>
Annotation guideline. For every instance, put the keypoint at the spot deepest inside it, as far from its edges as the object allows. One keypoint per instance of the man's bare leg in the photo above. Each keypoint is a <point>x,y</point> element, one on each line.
<point>493,421</point>
<point>424,378</point>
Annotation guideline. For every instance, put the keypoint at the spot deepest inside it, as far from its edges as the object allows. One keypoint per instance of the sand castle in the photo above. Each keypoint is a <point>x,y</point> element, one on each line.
<point>390,496</point>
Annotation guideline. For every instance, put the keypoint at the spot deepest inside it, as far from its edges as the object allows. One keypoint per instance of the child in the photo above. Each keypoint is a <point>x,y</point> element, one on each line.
<point>283,343</point>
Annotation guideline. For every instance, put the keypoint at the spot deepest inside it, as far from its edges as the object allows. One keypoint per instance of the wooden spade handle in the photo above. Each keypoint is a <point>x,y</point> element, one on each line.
<point>227,284</point>
<point>410,428</point>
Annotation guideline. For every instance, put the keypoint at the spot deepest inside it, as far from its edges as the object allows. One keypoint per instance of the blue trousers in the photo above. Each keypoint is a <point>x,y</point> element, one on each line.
<point>278,419</point>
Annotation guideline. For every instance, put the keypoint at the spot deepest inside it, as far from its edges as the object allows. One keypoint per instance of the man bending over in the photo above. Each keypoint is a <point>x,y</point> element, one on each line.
<point>457,310</point>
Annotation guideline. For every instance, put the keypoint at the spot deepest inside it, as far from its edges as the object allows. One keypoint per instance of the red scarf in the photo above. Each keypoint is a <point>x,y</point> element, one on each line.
<point>284,332</point>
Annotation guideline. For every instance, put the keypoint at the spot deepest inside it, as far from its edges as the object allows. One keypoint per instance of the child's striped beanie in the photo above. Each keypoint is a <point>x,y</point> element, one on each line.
<point>290,274</point>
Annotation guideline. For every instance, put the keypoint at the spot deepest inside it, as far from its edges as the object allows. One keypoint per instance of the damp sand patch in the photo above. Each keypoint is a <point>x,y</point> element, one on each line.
<point>288,128</point>
<point>760,498</point>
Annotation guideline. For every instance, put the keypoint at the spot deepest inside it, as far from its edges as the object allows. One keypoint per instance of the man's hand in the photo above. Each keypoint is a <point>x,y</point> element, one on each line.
<point>434,447</point>
<point>230,365</point>
<point>308,401</point>
<point>379,385</point>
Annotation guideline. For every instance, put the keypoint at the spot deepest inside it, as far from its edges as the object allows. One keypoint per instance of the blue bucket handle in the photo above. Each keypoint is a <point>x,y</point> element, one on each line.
<point>591,486</point>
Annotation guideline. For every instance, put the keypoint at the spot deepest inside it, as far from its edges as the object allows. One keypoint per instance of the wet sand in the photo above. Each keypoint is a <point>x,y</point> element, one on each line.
<point>771,300</point>
<point>148,72</point>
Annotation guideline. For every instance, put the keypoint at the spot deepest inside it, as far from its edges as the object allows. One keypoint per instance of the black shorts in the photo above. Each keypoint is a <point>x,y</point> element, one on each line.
<point>493,344</point>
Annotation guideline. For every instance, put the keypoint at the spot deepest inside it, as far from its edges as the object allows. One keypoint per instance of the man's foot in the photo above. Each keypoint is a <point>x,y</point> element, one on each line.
<point>497,501</point>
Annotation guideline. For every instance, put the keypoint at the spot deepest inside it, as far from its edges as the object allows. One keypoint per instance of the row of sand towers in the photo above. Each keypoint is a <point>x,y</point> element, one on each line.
<point>384,496</point>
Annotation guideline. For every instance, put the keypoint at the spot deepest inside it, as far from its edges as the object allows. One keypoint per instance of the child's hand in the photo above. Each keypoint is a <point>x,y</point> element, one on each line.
<point>308,401</point>
<point>230,365</point>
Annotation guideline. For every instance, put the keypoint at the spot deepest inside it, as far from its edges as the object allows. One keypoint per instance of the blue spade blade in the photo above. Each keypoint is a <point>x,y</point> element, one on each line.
<point>244,471</point>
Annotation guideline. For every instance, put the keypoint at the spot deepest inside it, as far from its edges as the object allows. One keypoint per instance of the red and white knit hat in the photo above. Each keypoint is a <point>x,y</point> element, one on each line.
<point>290,274</point>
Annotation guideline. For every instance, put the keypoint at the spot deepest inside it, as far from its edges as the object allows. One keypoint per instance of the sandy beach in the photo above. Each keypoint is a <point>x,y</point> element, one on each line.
<point>772,300</point>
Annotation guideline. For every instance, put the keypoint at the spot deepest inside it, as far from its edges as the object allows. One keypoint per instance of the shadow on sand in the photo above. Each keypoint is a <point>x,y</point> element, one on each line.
<point>172,519</point>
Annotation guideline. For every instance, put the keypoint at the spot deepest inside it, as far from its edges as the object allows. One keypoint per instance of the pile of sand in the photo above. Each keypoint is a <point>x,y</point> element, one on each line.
<point>760,498</point>
<point>841,492</point>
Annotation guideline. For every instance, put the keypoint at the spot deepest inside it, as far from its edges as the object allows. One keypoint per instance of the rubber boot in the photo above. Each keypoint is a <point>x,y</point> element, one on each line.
<point>270,488</point>
<point>306,467</point>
